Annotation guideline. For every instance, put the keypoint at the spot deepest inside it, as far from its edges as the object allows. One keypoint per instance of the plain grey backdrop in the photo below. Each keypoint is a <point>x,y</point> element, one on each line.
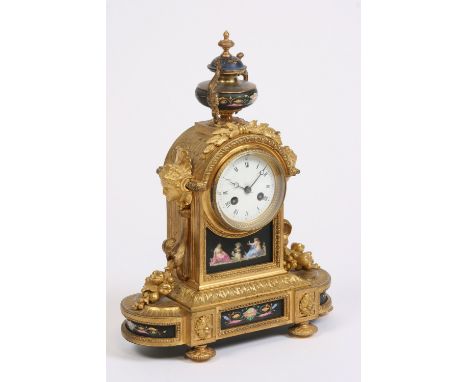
<point>304,57</point>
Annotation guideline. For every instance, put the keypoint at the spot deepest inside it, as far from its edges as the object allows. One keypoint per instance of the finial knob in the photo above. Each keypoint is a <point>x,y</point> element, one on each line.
<point>226,44</point>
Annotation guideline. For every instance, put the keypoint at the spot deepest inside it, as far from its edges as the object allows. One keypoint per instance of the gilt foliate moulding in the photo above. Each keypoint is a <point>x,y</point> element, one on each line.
<point>231,130</point>
<point>222,139</point>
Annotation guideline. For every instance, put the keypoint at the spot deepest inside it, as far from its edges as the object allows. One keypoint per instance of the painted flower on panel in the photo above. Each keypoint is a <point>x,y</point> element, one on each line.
<point>250,313</point>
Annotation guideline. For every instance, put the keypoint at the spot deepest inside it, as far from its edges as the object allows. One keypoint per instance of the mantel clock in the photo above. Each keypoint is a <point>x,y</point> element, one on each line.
<point>229,268</point>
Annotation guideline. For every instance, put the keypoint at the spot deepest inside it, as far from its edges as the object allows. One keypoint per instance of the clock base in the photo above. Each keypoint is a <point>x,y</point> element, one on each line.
<point>198,318</point>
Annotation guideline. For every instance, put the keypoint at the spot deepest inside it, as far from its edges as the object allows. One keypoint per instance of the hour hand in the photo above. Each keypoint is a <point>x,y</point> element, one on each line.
<point>235,184</point>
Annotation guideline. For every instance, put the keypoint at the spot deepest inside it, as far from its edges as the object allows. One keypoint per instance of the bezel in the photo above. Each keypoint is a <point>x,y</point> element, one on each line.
<point>278,196</point>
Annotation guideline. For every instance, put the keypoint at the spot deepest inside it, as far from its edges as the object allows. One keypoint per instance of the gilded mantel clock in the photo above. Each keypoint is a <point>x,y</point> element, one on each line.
<point>229,268</point>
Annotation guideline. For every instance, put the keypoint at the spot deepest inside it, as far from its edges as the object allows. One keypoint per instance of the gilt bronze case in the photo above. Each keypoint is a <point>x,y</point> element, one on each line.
<point>223,279</point>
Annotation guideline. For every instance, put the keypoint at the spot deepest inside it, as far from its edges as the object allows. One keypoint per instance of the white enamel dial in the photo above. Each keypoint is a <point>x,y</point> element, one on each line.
<point>249,190</point>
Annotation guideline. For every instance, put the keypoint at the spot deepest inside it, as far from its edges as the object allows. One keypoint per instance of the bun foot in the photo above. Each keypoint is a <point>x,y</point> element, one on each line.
<point>200,353</point>
<point>304,329</point>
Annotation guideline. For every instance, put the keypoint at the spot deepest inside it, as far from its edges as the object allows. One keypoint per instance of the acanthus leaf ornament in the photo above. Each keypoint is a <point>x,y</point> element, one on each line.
<point>233,129</point>
<point>203,327</point>
<point>230,130</point>
<point>306,305</point>
<point>291,158</point>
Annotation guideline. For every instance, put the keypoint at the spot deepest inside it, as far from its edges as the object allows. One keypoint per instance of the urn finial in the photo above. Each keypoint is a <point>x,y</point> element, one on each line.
<point>226,44</point>
<point>226,94</point>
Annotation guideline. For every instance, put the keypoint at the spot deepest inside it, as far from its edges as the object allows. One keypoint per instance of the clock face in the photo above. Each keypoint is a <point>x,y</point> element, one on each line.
<point>249,190</point>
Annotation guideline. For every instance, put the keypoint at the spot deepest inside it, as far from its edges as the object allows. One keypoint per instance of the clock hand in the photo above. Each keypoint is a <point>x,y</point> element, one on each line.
<point>235,184</point>
<point>260,173</point>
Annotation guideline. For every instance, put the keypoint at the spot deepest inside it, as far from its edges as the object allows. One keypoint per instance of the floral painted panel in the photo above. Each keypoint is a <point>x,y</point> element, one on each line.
<point>253,313</point>
<point>223,254</point>
<point>153,331</point>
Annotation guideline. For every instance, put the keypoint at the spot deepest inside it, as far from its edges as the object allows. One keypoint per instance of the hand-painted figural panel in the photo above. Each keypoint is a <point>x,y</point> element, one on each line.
<point>223,254</point>
<point>252,313</point>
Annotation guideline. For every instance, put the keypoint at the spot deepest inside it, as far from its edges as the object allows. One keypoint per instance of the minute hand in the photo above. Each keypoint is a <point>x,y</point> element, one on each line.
<point>255,181</point>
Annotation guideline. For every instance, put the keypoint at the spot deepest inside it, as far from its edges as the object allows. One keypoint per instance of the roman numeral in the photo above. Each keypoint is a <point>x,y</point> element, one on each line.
<point>236,169</point>
<point>227,204</point>
<point>236,212</point>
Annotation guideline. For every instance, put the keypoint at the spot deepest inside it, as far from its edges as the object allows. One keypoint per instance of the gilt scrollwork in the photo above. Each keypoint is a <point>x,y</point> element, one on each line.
<point>175,248</point>
<point>212,99</point>
<point>245,74</point>
<point>295,258</point>
<point>174,178</point>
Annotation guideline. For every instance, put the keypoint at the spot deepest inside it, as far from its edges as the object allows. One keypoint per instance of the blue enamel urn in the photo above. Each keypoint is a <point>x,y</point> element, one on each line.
<point>226,93</point>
